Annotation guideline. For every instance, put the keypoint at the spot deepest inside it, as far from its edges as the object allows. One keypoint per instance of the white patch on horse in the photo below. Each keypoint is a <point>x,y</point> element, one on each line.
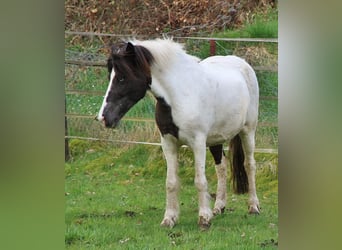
<point>104,103</point>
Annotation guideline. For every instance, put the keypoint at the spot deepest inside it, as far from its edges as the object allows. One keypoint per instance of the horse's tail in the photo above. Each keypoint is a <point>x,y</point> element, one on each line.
<point>238,173</point>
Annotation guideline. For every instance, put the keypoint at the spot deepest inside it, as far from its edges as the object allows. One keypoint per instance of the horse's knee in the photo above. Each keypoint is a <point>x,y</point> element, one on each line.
<point>250,165</point>
<point>201,184</point>
<point>172,185</point>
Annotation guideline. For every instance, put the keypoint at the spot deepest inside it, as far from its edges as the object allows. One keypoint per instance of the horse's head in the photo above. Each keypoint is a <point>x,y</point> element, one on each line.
<point>130,78</point>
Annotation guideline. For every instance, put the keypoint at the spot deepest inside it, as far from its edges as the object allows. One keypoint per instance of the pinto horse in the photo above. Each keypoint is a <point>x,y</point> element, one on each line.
<point>199,104</point>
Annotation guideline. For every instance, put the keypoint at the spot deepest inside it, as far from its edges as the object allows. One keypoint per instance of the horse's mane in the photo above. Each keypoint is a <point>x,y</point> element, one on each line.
<point>161,53</point>
<point>164,51</point>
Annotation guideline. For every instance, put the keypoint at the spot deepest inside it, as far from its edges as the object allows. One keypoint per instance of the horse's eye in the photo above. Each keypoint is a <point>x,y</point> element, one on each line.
<point>121,80</point>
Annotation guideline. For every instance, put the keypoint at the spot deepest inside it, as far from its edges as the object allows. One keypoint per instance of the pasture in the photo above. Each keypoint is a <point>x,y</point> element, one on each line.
<point>115,192</point>
<point>115,199</point>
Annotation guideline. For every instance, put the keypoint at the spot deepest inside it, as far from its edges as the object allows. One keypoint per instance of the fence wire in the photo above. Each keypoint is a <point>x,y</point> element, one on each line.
<point>86,84</point>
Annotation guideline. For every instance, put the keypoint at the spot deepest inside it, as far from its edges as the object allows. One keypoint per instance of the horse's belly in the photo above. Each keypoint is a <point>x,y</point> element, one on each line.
<point>228,118</point>
<point>217,139</point>
<point>218,132</point>
<point>224,133</point>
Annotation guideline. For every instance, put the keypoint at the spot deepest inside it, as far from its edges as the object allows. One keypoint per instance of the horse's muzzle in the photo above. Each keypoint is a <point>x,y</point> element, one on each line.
<point>107,124</point>
<point>99,118</point>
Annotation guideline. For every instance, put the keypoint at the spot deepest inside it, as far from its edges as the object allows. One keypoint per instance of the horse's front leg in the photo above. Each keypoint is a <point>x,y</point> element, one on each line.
<point>170,149</point>
<point>205,214</point>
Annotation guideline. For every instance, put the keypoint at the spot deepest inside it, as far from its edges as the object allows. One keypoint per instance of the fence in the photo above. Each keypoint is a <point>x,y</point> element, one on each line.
<point>86,83</point>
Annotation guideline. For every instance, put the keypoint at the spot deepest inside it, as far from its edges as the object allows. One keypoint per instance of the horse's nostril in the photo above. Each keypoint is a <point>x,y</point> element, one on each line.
<point>99,118</point>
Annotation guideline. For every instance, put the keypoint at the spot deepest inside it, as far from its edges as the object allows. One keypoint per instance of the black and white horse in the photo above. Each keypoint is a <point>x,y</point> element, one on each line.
<point>199,104</point>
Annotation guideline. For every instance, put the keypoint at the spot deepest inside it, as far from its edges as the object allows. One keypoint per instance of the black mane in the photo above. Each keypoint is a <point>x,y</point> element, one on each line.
<point>128,59</point>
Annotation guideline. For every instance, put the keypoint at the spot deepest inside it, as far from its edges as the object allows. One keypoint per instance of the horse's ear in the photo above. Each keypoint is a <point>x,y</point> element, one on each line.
<point>130,49</point>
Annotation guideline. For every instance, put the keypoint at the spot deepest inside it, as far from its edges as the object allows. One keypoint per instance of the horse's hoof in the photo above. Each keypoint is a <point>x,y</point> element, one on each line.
<point>254,210</point>
<point>217,211</point>
<point>170,223</point>
<point>204,223</point>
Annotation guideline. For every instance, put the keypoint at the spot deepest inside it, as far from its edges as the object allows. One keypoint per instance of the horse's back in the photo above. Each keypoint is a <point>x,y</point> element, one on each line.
<point>234,70</point>
<point>230,64</point>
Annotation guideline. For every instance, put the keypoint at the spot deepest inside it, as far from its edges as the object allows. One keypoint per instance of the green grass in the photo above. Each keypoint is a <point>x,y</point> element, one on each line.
<point>261,29</point>
<point>262,25</point>
<point>115,199</point>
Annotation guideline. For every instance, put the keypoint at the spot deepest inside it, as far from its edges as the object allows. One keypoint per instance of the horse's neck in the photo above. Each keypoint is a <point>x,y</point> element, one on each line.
<point>173,82</point>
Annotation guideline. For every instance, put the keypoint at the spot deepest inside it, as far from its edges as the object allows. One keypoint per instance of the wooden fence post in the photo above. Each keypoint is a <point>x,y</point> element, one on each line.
<point>212,47</point>
<point>66,146</point>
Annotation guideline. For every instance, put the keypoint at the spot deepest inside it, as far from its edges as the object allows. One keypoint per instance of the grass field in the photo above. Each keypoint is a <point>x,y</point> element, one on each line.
<point>115,193</point>
<point>115,200</point>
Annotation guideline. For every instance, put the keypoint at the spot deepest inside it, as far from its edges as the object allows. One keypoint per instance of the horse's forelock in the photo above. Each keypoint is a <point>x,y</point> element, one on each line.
<point>138,60</point>
<point>118,48</point>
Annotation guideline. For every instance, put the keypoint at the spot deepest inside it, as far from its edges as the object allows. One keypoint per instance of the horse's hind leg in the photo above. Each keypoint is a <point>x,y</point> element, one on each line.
<point>221,172</point>
<point>170,151</point>
<point>247,136</point>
